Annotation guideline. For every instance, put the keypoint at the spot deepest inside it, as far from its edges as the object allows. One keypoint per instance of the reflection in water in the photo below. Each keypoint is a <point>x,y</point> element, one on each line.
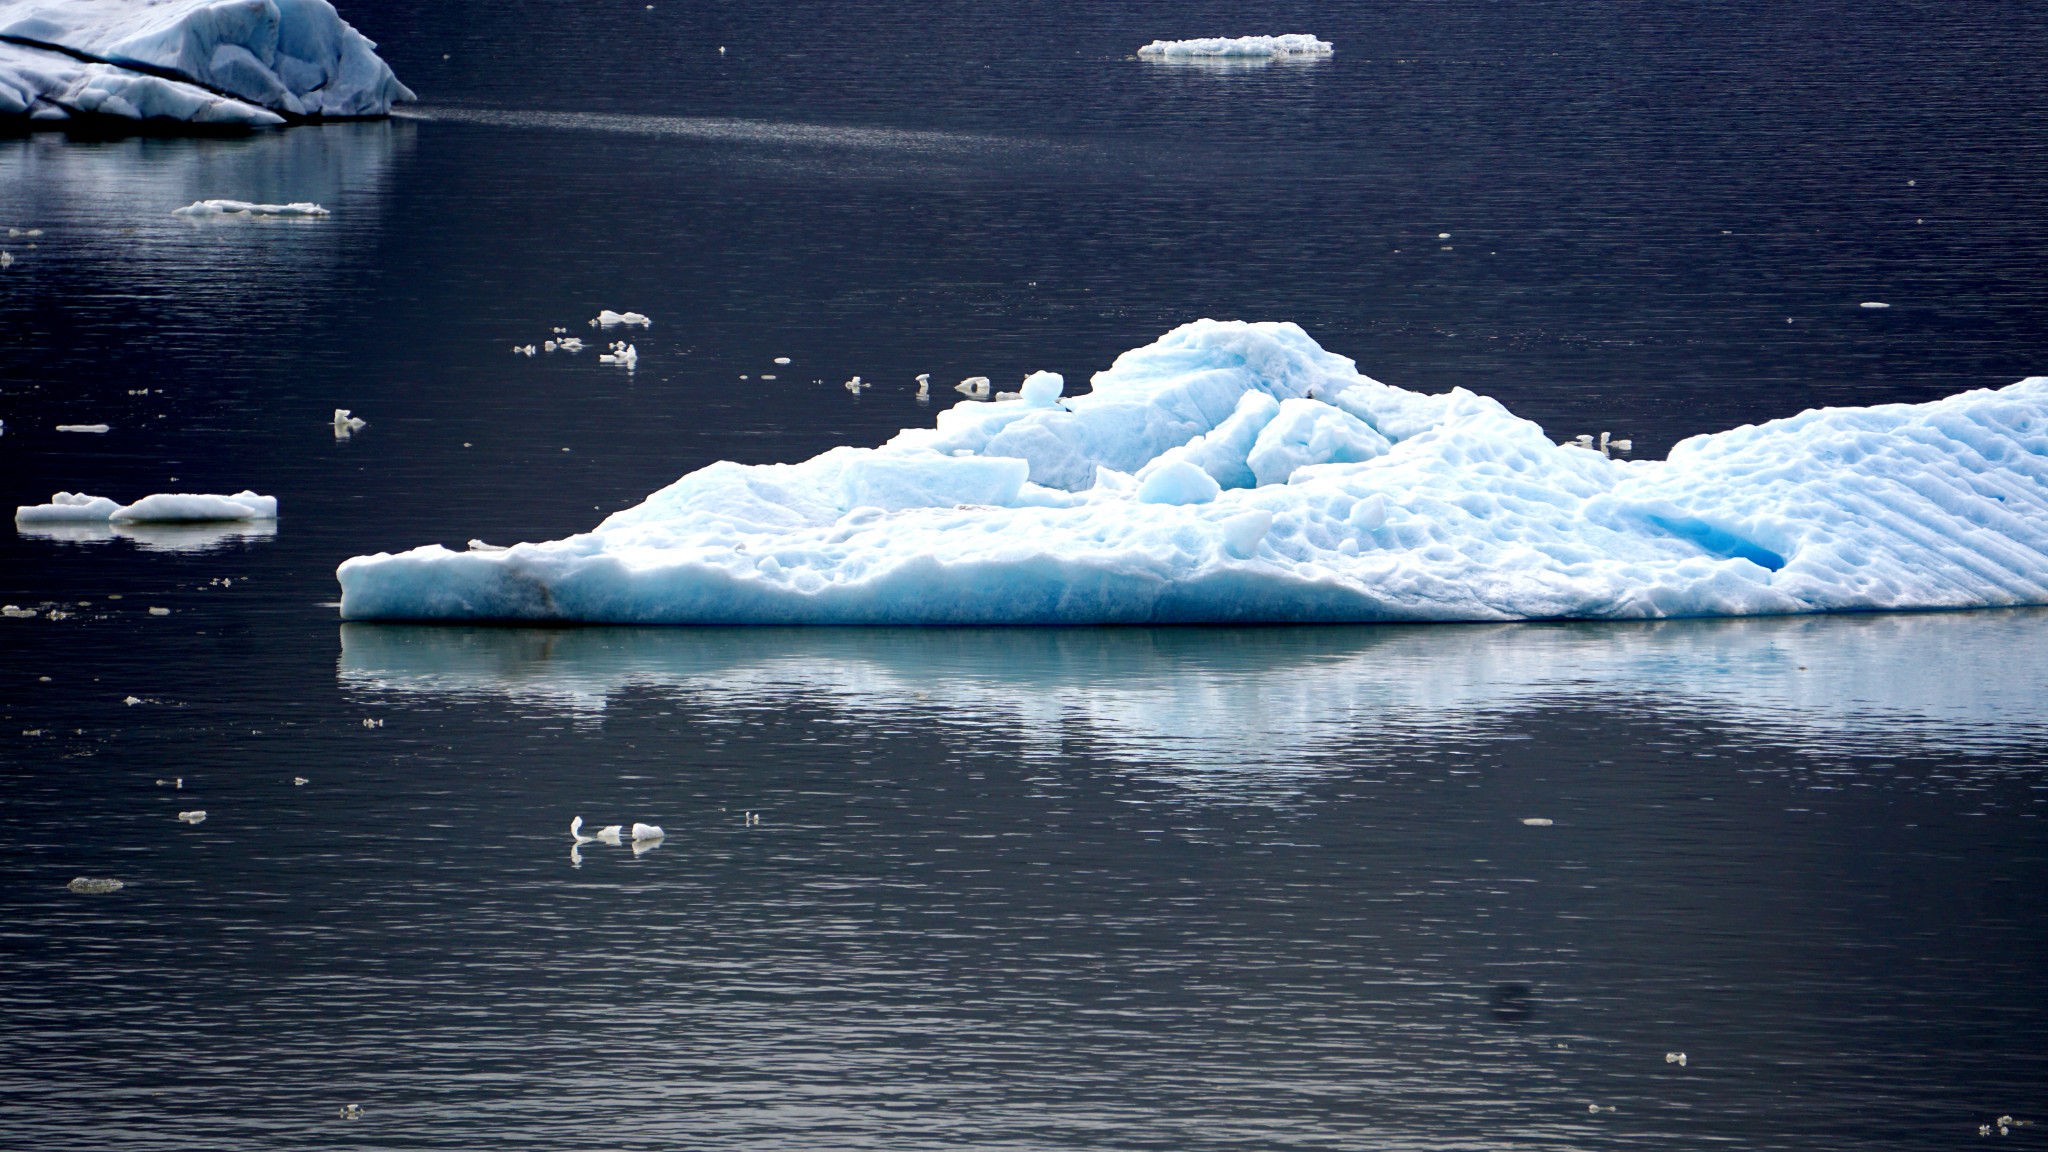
<point>1274,697</point>
<point>155,537</point>
<point>109,203</point>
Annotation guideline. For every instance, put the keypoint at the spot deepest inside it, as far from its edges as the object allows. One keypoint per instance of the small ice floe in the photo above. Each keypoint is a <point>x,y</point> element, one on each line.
<point>350,1112</point>
<point>1873,304</point>
<point>524,350</point>
<point>1241,47</point>
<point>370,723</point>
<point>131,701</point>
<point>1677,1058</point>
<point>346,425</point>
<point>1537,821</point>
<point>607,318</point>
<point>195,816</point>
<point>210,208</point>
<point>647,832</point>
<point>159,611</point>
<point>82,427</point>
<point>621,353</point>
<point>299,781</point>
<point>95,885</point>
<point>782,359</point>
<point>1607,445</point>
<point>924,385</point>
<point>16,612</point>
<point>566,344</point>
<point>974,387</point>
<point>1598,1108</point>
<point>751,819</point>
<point>764,376</point>
<point>161,508</point>
<point>855,386</point>
<point>6,259</point>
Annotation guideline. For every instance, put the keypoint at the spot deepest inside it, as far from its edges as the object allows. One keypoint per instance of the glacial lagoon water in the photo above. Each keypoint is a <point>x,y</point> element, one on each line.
<point>1014,888</point>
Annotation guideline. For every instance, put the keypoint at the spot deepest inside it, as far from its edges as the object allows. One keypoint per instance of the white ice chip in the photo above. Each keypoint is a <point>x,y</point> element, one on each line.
<point>1235,472</point>
<point>1256,47</point>
<point>162,508</point>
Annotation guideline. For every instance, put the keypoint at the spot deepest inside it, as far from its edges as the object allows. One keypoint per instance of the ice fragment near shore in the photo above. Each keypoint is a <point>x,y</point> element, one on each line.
<point>1129,505</point>
<point>161,508</point>
<point>1254,47</point>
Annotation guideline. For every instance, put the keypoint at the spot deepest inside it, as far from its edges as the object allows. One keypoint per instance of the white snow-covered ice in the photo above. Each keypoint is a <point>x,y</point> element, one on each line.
<point>161,508</point>
<point>1251,47</point>
<point>1235,472</point>
<point>207,208</point>
<point>248,62</point>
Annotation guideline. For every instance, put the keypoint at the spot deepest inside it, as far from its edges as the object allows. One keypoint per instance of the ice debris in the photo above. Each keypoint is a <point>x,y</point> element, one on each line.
<point>163,507</point>
<point>250,63</point>
<point>1538,821</point>
<point>609,319</point>
<point>974,387</point>
<point>98,428</point>
<point>346,425</point>
<point>1256,47</point>
<point>209,208</point>
<point>95,885</point>
<point>621,353</point>
<point>196,816</point>
<point>1677,1058</point>
<point>1128,505</point>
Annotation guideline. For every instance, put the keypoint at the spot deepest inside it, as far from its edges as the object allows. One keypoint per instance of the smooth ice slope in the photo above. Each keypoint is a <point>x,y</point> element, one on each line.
<point>205,61</point>
<point>1239,472</point>
<point>1240,47</point>
<point>161,508</point>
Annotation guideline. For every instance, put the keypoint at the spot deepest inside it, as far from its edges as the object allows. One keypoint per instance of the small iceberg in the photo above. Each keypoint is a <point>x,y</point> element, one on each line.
<point>94,428</point>
<point>95,885</point>
<point>607,318</point>
<point>249,64</point>
<point>1241,47</point>
<point>161,508</point>
<point>209,208</point>
<point>1238,472</point>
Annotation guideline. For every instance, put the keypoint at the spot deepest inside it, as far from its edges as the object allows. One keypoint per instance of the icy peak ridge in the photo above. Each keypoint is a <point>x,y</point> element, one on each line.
<point>205,61</point>
<point>1234,472</point>
<point>1241,47</point>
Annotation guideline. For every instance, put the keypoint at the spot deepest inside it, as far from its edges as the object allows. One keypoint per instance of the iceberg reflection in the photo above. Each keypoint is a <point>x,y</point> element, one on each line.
<point>1218,697</point>
<point>159,537</point>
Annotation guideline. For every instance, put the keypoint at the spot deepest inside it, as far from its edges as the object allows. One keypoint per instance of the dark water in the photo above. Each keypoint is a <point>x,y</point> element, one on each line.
<point>1089,888</point>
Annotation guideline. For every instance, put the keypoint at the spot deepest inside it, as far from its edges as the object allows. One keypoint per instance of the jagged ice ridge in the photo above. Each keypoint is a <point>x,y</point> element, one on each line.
<point>1235,472</point>
<point>214,62</point>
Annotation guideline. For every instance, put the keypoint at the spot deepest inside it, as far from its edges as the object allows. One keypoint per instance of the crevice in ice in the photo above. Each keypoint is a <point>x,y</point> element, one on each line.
<point>1718,542</point>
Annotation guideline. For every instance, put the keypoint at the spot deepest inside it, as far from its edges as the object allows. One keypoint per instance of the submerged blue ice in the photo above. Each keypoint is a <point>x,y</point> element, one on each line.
<point>1236,472</point>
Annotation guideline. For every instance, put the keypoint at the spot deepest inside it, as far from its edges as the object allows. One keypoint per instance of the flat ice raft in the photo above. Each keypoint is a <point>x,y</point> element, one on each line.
<point>161,508</point>
<point>1238,472</point>
<point>215,62</point>
<point>1238,47</point>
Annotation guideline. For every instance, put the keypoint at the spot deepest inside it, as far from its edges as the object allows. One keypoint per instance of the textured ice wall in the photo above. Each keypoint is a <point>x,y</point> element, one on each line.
<point>1234,472</point>
<point>204,61</point>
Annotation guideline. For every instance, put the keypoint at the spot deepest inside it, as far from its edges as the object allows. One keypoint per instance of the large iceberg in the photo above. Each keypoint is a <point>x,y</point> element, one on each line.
<point>1236,472</point>
<point>215,62</point>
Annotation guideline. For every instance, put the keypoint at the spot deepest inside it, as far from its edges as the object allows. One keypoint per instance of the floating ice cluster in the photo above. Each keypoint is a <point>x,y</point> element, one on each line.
<point>211,62</point>
<point>1235,472</point>
<point>209,208</point>
<point>161,508</point>
<point>1241,47</point>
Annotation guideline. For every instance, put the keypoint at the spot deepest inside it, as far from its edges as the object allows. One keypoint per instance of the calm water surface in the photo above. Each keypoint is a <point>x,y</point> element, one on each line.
<point>1031,888</point>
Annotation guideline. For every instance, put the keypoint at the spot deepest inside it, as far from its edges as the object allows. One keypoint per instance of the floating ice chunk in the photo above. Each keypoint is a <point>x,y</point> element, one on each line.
<point>209,208</point>
<point>1538,821</point>
<point>196,816</point>
<point>648,832</point>
<point>297,58</point>
<point>95,885</point>
<point>1293,44</point>
<point>924,386</point>
<point>1873,304</point>
<point>855,385</point>
<point>6,259</point>
<point>610,319</point>
<point>621,353</point>
<point>1385,504</point>
<point>67,506</point>
<point>782,359</point>
<point>163,507</point>
<point>974,387</point>
<point>346,425</point>
<point>82,427</point>
<point>1677,1058</point>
